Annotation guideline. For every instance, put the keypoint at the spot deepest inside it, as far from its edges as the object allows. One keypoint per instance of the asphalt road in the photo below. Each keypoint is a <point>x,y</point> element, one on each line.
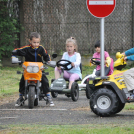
<point>65,111</point>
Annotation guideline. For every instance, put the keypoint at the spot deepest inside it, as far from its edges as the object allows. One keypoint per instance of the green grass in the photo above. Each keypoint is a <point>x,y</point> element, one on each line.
<point>9,80</point>
<point>125,128</point>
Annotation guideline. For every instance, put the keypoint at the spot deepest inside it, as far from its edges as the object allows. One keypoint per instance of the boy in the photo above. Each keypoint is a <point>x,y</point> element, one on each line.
<point>33,53</point>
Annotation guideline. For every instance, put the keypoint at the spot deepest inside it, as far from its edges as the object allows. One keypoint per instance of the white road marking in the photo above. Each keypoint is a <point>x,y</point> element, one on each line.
<point>33,109</point>
<point>8,117</point>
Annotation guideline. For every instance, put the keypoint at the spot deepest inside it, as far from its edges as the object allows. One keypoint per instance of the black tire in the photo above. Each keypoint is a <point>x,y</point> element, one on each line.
<point>54,94</point>
<point>74,91</point>
<point>120,107</point>
<point>31,96</point>
<point>104,102</point>
<point>88,91</point>
<point>52,80</point>
<point>68,95</point>
<point>36,102</point>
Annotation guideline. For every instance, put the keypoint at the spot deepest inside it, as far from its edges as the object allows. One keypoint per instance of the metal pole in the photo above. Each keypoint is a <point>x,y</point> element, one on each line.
<point>102,47</point>
<point>132,23</point>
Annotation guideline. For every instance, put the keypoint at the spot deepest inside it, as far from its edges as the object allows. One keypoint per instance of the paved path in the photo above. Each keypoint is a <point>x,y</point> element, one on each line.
<point>65,111</point>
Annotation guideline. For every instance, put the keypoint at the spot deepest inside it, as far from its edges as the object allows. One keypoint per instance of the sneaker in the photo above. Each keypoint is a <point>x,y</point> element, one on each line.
<point>49,101</point>
<point>20,102</point>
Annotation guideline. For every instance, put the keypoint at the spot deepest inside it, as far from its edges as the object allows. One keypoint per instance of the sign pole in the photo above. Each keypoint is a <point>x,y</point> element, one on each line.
<point>101,9</point>
<point>102,47</point>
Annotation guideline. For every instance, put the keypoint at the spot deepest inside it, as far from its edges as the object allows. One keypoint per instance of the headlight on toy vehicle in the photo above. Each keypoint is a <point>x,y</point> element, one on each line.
<point>29,69</point>
<point>32,69</point>
<point>35,69</point>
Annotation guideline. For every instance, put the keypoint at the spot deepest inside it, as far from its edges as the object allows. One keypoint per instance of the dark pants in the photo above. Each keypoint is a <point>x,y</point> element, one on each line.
<point>45,84</point>
<point>98,72</point>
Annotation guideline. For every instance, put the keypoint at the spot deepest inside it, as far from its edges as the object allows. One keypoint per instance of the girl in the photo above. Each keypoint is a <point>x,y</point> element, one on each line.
<point>75,58</point>
<point>108,61</point>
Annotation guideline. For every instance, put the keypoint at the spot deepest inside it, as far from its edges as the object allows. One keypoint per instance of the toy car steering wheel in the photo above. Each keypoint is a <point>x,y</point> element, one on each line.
<point>64,65</point>
<point>95,61</point>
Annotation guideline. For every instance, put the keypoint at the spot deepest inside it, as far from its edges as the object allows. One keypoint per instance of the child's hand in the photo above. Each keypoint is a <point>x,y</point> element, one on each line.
<point>48,61</point>
<point>124,53</point>
<point>125,58</point>
<point>90,60</point>
<point>105,62</point>
<point>72,64</point>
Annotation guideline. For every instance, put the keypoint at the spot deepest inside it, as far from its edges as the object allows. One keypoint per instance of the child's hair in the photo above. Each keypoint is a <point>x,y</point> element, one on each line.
<point>97,44</point>
<point>34,35</point>
<point>72,39</point>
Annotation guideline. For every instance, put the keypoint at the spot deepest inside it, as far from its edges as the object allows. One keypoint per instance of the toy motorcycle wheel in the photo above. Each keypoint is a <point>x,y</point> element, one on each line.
<point>74,91</point>
<point>104,102</point>
<point>31,96</point>
<point>36,102</point>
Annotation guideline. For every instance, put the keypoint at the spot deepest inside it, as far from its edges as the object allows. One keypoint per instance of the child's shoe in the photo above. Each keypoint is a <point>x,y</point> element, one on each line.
<point>20,101</point>
<point>49,101</point>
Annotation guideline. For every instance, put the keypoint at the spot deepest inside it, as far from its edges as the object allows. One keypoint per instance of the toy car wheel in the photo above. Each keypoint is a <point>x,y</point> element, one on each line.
<point>104,102</point>
<point>68,95</point>
<point>54,94</point>
<point>36,102</point>
<point>74,91</point>
<point>52,80</point>
<point>120,107</point>
<point>88,91</point>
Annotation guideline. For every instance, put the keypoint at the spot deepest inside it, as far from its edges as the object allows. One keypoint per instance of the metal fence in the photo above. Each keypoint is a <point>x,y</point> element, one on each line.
<point>57,20</point>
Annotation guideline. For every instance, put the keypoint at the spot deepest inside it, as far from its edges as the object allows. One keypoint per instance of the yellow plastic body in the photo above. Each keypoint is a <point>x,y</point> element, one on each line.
<point>117,76</point>
<point>120,60</point>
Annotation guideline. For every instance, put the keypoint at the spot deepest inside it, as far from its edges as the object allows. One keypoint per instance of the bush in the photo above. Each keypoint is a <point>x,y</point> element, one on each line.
<point>9,29</point>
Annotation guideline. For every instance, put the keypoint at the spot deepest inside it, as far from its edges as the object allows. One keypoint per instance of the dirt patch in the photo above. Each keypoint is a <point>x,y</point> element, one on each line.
<point>8,99</point>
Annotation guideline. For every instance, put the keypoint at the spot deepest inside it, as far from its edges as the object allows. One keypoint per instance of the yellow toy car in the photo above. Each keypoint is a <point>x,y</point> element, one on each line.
<point>109,94</point>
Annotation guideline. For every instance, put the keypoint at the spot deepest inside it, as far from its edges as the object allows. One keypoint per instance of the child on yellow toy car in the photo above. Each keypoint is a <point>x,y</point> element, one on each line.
<point>108,61</point>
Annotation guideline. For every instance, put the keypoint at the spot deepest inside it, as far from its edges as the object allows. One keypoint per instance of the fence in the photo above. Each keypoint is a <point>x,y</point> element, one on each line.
<point>57,20</point>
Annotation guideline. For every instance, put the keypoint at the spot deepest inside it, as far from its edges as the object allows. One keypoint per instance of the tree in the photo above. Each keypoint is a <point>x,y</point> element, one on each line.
<point>9,28</point>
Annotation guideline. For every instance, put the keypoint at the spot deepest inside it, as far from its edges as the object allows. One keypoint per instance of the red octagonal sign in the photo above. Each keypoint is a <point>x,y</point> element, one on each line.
<point>101,8</point>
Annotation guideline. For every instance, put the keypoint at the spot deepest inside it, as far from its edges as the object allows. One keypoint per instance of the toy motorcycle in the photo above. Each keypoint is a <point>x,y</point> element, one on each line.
<point>32,72</point>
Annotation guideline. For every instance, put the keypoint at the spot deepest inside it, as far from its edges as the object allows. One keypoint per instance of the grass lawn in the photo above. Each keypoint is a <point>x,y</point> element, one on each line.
<point>9,82</point>
<point>124,128</point>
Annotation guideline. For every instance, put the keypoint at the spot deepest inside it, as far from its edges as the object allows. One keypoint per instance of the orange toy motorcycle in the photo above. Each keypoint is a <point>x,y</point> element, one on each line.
<point>32,72</point>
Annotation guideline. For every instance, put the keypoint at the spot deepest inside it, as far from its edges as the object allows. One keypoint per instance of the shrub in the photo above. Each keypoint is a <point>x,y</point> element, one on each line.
<point>9,28</point>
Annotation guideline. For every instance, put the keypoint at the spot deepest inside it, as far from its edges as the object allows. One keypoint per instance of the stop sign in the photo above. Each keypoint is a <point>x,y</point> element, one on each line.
<point>101,8</point>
